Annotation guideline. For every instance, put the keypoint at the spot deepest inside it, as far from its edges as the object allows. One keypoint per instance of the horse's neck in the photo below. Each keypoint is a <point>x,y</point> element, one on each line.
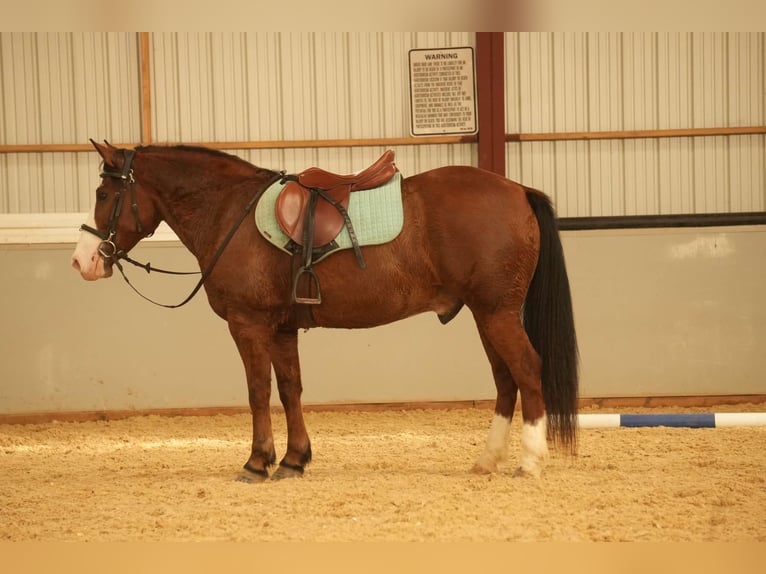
<point>203,209</point>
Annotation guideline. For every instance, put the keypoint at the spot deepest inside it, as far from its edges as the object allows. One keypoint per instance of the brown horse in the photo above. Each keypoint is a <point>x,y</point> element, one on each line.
<point>470,237</point>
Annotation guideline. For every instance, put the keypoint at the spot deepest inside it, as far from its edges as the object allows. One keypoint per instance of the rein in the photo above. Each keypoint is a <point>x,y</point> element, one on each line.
<point>216,256</point>
<point>109,250</point>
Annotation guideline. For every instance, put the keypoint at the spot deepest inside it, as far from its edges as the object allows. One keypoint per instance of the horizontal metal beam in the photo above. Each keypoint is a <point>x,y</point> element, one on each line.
<point>422,140</point>
<point>637,134</point>
<point>280,144</point>
<point>660,221</point>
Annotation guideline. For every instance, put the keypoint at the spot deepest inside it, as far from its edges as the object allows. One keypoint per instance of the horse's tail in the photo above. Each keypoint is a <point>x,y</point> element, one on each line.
<point>549,323</point>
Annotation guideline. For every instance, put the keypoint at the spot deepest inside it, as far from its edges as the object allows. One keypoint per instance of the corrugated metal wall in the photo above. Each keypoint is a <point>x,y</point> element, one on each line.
<point>60,88</point>
<point>581,82</point>
<point>294,86</point>
<point>65,88</point>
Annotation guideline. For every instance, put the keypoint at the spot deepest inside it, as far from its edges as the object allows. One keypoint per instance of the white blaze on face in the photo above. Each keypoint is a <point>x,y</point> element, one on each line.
<point>86,258</point>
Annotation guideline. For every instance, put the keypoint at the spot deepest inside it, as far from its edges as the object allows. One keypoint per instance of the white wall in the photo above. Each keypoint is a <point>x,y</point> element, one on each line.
<point>658,312</point>
<point>670,311</point>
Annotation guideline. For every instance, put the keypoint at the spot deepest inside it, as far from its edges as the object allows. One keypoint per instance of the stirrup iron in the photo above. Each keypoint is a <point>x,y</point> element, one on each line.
<point>312,279</point>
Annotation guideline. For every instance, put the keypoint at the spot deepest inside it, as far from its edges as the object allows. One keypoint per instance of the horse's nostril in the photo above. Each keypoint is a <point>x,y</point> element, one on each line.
<point>76,264</point>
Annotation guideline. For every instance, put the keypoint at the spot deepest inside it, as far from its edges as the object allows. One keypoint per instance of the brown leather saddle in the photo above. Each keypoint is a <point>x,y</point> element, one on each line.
<point>312,210</point>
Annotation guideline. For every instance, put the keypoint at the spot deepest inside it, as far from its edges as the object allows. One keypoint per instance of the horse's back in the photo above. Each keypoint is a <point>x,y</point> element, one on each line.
<point>463,177</point>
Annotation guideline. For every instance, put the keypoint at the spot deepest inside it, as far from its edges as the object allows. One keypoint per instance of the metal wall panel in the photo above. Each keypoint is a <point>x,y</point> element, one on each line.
<point>67,87</point>
<point>578,82</point>
<point>51,182</point>
<point>294,86</point>
<point>58,88</point>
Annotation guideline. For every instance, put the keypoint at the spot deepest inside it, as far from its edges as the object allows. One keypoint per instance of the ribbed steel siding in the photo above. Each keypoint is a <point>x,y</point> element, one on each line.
<point>66,88</point>
<point>570,82</point>
<point>63,88</point>
<point>294,86</point>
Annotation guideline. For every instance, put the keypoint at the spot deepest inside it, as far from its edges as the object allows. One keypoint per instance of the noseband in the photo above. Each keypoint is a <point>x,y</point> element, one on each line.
<point>108,248</point>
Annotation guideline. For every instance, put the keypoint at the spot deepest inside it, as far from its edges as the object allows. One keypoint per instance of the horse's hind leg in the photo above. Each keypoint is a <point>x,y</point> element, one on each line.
<point>496,449</point>
<point>505,333</point>
<point>284,358</point>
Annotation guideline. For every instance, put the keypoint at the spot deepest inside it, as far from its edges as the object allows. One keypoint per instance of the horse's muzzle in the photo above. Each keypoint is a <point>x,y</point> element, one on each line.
<point>96,268</point>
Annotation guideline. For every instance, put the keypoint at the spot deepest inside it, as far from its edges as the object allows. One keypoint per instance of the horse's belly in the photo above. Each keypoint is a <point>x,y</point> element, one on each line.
<point>378,306</point>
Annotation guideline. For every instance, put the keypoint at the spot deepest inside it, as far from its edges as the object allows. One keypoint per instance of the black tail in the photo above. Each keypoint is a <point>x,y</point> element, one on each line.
<point>549,322</point>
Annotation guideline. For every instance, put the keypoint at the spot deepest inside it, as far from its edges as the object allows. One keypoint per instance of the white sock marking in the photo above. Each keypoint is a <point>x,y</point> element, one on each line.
<point>497,444</point>
<point>534,446</point>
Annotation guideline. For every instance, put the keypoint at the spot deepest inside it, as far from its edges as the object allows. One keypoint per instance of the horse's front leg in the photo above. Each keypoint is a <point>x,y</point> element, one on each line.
<point>254,345</point>
<point>284,357</point>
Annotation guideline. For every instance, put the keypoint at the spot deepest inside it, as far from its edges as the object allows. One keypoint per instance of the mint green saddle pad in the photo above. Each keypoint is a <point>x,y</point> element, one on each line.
<point>376,214</point>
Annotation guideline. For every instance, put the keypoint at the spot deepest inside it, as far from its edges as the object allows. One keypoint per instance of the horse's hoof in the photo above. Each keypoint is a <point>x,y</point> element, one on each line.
<point>250,477</point>
<point>284,471</point>
<point>524,473</point>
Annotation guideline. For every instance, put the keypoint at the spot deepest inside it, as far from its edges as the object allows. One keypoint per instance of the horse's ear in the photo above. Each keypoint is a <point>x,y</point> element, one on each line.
<point>108,153</point>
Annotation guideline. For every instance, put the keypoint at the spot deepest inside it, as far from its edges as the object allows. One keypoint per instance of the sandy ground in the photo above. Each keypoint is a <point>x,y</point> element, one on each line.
<point>392,475</point>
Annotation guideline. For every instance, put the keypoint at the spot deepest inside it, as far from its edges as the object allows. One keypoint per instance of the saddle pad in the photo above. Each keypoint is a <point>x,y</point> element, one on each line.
<point>376,214</point>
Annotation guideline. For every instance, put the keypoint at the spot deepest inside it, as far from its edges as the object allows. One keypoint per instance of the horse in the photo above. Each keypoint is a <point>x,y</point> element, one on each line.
<point>470,238</point>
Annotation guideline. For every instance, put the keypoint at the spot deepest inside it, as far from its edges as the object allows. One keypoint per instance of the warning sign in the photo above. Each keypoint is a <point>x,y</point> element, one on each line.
<point>442,91</point>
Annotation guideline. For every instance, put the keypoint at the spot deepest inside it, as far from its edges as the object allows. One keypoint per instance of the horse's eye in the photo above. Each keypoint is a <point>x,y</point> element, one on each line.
<point>101,195</point>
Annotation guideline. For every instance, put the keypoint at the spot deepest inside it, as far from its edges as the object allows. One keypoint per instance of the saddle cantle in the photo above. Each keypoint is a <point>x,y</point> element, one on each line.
<point>373,176</point>
<point>293,201</point>
<point>312,209</point>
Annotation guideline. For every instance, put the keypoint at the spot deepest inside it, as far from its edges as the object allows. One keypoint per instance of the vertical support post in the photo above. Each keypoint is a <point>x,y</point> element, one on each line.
<point>490,84</point>
<point>146,89</point>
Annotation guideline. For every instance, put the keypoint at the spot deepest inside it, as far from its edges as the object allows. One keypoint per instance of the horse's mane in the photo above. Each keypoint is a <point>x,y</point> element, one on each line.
<point>195,149</point>
<point>226,163</point>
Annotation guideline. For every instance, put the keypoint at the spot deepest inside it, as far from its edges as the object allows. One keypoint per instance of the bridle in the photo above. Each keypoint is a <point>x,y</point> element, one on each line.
<point>108,247</point>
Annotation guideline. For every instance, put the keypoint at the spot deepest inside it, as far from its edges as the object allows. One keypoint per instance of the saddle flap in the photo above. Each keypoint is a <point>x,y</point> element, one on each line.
<point>292,203</point>
<point>290,209</point>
